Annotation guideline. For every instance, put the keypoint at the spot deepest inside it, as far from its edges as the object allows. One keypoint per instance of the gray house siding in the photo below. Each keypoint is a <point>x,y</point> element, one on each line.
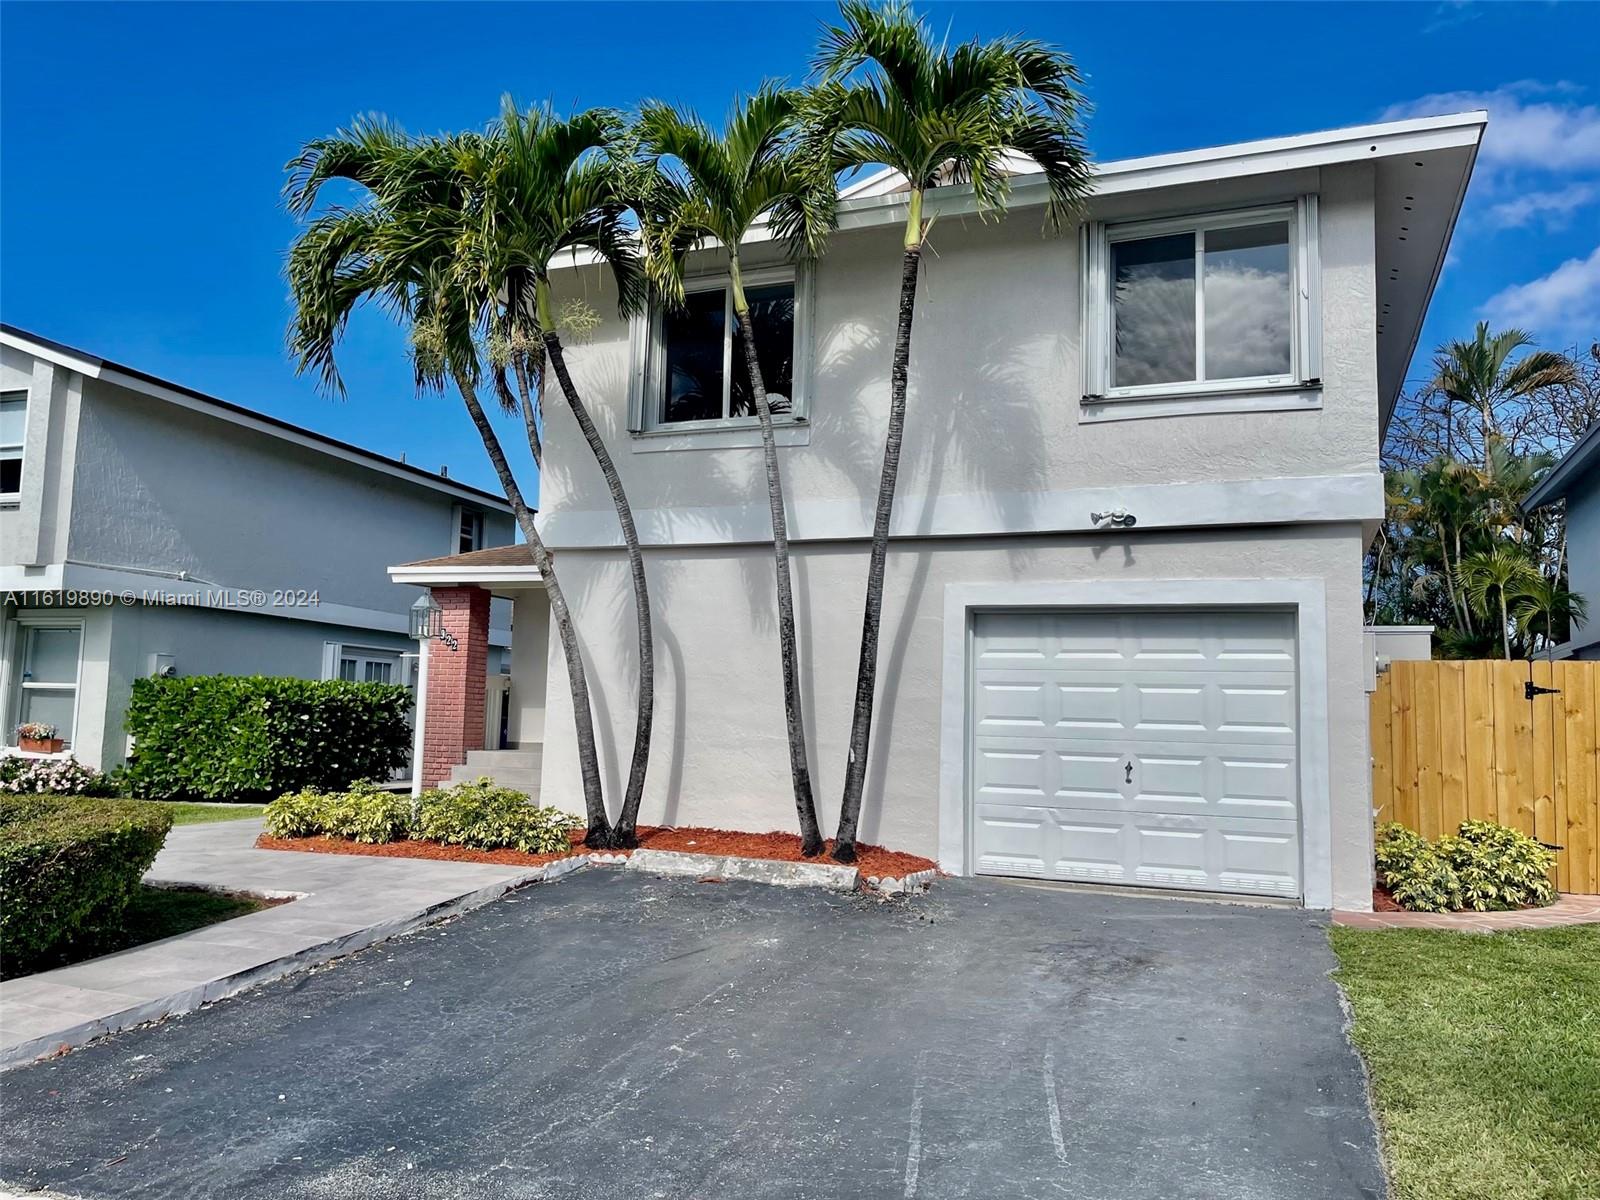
<point>205,537</point>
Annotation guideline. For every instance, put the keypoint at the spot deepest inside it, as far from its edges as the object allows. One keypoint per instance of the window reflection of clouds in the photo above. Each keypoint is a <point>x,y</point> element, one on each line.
<point>1154,281</point>
<point>1247,302</point>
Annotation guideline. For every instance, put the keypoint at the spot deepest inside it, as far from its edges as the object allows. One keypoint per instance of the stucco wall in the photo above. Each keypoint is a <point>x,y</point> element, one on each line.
<point>995,375</point>
<point>531,650</point>
<point>719,752</point>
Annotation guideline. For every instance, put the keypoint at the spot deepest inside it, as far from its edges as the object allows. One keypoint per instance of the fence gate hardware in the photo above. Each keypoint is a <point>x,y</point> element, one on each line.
<point>1531,689</point>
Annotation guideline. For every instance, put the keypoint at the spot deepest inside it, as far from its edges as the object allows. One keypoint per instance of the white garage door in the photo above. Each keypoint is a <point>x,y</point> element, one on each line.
<point>1143,748</point>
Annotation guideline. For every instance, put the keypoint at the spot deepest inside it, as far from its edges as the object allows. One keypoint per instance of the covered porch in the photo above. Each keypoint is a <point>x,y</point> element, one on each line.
<point>472,722</point>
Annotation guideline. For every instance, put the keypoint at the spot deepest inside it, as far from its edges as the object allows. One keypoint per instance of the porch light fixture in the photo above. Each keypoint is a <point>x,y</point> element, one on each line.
<point>427,621</point>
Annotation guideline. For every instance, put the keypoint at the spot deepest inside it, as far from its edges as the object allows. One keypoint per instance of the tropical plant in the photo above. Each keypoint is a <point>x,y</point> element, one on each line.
<point>1479,378</point>
<point>552,185</point>
<point>1490,578</point>
<point>722,185</point>
<point>891,94</point>
<point>399,245</point>
<point>1482,866</point>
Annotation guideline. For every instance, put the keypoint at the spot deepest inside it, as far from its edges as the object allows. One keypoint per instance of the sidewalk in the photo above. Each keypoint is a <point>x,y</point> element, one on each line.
<point>1569,909</point>
<point>342,904</point>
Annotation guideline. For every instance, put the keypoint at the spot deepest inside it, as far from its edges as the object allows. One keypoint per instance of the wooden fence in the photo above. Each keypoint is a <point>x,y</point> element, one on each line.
<point>1453,741</point>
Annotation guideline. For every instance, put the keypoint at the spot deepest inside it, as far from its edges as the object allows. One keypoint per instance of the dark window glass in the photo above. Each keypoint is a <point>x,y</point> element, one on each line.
<point>1153,281</point>
<point>1247,301</point>
<point>471,532</point>
<point>10,475</point>
<point>772,317</point>
<point>693,336</point>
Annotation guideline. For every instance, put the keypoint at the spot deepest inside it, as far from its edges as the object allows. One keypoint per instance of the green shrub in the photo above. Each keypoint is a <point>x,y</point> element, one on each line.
<point>1483,867</point>
<point>488,817</point>
<point>247,738</point>
<point>364,813</point>
<point>68,868</point>
<point>480,815</point>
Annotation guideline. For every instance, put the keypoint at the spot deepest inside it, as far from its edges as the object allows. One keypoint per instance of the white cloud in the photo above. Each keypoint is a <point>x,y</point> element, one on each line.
<point>1551,208</point>
<point>1533,126</point>
<point>1560,306</point>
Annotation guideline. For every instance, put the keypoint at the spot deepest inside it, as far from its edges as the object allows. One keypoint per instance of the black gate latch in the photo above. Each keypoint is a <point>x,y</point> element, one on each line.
<point>1531,689</point>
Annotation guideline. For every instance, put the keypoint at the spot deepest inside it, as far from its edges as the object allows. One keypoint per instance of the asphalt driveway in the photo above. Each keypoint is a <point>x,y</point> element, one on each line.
<point>618,1037</point>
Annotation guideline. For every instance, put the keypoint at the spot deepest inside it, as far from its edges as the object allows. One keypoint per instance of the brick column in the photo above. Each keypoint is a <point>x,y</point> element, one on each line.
<point>454,717</point>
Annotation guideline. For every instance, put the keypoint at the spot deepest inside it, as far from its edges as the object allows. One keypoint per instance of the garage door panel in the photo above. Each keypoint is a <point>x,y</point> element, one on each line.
<point>1015,840</point>
<point>1137,747</point>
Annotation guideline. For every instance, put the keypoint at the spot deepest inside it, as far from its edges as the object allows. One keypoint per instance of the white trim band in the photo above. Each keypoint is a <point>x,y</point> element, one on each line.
<point>1290,500</point>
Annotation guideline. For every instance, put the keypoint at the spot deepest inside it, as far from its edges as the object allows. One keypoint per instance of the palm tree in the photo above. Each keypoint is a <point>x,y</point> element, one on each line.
<point>725,185</point>
<point>1544,608</point>
<point>891,95</point>
<point>1475,374</point>
<point>554,185</point>
<point>397,246</point>
<point>1498,576</point>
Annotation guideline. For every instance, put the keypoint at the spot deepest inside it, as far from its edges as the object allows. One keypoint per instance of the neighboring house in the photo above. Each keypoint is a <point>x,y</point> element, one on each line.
<point>1575,480</point>
<point>146,528</point>
<point>1171,695</point>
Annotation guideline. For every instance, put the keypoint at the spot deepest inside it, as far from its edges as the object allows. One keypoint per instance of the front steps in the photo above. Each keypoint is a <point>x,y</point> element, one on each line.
<point>518,769</point>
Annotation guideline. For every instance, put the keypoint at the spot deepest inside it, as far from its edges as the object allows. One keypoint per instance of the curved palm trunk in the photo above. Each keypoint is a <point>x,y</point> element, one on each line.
<point>844,846</point>
<point>627,821</point>
<point>599,834</point>
<point>794,718</point>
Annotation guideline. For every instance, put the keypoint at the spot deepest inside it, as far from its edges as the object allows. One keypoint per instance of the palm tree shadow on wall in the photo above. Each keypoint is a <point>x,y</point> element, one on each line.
<point>982,442</point>
<point>607,380</point>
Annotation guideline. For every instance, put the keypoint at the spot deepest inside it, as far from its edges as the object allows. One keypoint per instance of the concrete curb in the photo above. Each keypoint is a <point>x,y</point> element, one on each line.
<point>754,870</point>
<point>188,999</point>
<point>917,881</point>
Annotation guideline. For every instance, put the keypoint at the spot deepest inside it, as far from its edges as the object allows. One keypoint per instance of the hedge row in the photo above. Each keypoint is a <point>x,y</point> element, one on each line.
<point>249,738</point>
<point>1483,866</point>
<point>68,868</point>
<point>481,815</point>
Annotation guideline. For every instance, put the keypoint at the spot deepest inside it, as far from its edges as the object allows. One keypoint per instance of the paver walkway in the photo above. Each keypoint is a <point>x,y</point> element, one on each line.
<point>343,903</point>
<point>1571,909</point>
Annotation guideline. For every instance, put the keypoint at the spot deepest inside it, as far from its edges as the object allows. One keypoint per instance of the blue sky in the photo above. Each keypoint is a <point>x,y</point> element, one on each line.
<point>142,145</point>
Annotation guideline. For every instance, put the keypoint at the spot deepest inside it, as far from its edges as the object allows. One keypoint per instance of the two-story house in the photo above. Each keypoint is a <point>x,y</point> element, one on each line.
<point>1122,637</point>
<point>147,528</point>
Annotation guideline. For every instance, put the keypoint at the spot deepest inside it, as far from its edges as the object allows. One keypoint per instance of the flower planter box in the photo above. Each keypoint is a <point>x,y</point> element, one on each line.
<point>40,745</point>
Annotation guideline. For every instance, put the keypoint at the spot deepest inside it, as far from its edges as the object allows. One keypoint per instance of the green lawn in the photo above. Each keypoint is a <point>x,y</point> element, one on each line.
<point>1485,1058</point>
<point>199,814</point>
<point>152,914</point>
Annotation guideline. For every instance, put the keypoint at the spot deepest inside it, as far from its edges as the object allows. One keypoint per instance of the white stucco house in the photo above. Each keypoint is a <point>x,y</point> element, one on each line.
<point>148,528</point>
<point>1171,696</point>
<point>1574,482</point>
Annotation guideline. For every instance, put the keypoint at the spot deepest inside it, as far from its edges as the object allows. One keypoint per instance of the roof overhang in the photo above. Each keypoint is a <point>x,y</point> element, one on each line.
<point>1573,465</point>
<point>93,367</point>
<point>423,575</point>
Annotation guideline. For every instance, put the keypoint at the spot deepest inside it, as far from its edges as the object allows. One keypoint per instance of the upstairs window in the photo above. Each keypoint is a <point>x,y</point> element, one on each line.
<point>13,432</point>
<point>1213,306</point>
<point>470,535</point>
<point>694,375</point>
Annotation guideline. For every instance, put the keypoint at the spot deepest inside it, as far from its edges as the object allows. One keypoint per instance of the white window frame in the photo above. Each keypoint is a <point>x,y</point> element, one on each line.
<point>1298,389</point>
<point>26,623</point>
<point>648,357</point>
<point>16,450</point>
<point>464,515</point>
<point>337,652</point>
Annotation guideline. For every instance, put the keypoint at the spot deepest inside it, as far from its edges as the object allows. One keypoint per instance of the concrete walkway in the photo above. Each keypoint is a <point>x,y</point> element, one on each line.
<point>342,903</point>
<point>1570,909</point>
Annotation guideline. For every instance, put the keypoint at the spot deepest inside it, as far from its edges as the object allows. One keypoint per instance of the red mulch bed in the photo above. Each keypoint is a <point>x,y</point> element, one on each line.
<point>785,847</point>
<point>1383,902</point>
